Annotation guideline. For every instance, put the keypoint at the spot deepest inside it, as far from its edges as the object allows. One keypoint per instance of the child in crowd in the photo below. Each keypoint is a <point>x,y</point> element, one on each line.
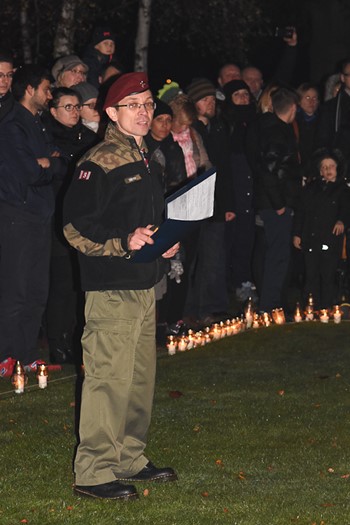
<point>320,221</point>
<point>99,53</point>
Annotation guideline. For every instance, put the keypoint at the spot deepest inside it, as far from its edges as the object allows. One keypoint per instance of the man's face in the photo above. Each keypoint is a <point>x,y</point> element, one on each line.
<point>6,72</point>
<point>41,96</point>
<point>345,76</point>
<point>206,106</point>
<point>253,77</point>
<point>309,101</point>
<point>137,121</point>
<point>228,73</point>
<point>161,126</point>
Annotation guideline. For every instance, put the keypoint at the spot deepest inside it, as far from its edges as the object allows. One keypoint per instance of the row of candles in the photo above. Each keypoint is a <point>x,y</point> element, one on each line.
<point>249,319</point>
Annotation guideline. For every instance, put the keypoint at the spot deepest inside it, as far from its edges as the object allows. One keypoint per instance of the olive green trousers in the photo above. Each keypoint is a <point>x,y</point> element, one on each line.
<point>119,354</point>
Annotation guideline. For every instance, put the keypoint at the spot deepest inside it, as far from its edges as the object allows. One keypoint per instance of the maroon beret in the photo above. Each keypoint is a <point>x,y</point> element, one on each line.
<point>125,85</point>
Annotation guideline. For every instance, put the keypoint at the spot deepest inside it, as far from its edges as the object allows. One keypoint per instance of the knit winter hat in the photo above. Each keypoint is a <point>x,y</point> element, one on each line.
<point>200,88</point>
<point>162,108</point>
<point>125,85</point>
<point>86,91</point>
<point>100,34</point>
<point>66,63</point>
<point>233,86</point>
<point>169,91</point>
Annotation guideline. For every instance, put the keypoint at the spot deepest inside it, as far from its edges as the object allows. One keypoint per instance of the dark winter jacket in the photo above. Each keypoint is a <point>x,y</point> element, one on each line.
<point>6,104</point>
<point>333,130</point>
<point>73,143</point>
<point>215,140</point>
<point>112,194</point>
<point>273,156</point>
<point>26,187</point>
<point>321,205</point>
<point>96,61</point>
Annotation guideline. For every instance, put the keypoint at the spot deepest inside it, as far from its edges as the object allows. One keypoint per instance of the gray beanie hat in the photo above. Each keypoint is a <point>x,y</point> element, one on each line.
<point>86,91</point>
<point>65,63</point>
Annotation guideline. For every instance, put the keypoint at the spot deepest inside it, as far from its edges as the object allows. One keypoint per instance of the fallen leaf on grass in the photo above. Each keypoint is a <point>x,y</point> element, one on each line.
<point>69,507</point>
<point>45,421</point>
<point>205,494</point>
<point>196,428</point>
<point>345,476</point>
<point>338,375</point>
<point>225,509</point>
<point>146,492</point>
<point>241,475</point>
<point>316,405</point>
<point>72,404</point>
<point>175,394</point>
<point>24,521</point>
<point>219,462</point>
<point>328,505</point>
<point>280,392</point>
<point>213,401</point>
<point>331,470</point>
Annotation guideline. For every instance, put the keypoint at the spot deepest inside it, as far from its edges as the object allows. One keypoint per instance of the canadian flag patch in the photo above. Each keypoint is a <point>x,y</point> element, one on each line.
<point>84,175</point>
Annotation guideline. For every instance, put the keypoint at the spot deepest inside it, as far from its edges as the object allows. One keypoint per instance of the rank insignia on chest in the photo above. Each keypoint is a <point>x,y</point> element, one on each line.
<point>84,175</point>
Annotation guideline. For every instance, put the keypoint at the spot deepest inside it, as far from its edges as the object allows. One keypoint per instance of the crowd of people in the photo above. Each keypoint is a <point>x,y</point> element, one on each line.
<point>279,216</point>
<point>87,154</point>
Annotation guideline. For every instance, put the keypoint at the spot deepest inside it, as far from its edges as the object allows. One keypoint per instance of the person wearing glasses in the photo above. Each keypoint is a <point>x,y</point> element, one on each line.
<point>64,307</point>
<point>69,71</point>
<point>90,117</point>
<point>111,208</point>
<point>6,74</point>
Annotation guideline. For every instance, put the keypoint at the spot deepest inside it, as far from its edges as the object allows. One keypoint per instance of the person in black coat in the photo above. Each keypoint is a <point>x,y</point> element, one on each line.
<point>273,155</point>
<point>239,111</point>
<point>65,303</point>
<point>320,221</point>
<point>333,130</point>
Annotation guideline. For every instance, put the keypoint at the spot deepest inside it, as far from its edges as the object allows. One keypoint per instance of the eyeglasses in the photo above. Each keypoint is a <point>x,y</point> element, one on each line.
<point>314,99</point>
<point>92,105</point>
<point>6,75</point>
<point>70,107</point>
<point>133,106</point>
<point>78,72</point>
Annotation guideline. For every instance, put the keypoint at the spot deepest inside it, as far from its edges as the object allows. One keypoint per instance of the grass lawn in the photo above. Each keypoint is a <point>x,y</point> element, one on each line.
<point>257,426</point>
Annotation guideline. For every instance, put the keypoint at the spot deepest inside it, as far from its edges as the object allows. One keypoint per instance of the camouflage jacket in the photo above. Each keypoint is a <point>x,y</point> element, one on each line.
<point>112,193</point>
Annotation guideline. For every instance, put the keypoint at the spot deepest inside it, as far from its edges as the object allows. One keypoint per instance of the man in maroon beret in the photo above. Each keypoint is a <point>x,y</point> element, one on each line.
<point>113,203</point>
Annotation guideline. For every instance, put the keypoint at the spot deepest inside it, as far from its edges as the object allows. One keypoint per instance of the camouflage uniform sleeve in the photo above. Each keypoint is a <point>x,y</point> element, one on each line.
<point>111,248</point>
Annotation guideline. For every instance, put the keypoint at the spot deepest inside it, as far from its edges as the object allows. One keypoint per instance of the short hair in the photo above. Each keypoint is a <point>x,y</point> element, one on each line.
<point>5,56</point>
<point>183,104</point>
<point>60,92</point>
<point>306,86</point>
<point>283,98</point>
<point>28,75</point>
